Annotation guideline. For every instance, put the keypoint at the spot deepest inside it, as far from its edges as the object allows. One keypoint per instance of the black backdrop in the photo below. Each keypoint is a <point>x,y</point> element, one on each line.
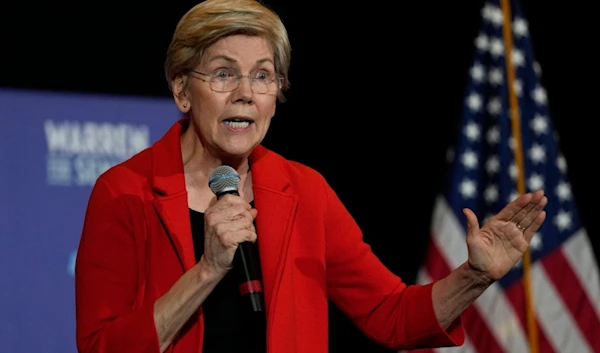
<point>338,118</point>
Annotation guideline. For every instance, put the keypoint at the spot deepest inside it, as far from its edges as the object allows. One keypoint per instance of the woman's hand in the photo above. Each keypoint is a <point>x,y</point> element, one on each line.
<point>227,223</point>
<point>501,242</point>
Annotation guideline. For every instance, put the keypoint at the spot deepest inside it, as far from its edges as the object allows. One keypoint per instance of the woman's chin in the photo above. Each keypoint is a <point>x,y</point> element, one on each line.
<point>237,150</point>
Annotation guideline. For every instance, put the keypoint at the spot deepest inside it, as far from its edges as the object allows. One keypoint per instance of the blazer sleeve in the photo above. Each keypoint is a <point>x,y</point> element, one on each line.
<point>385,308</point>
<point>107,317</point>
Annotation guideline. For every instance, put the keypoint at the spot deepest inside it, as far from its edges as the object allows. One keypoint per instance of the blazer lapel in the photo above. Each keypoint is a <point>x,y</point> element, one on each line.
<point>276,211</point>
<point>173,212</point>
<point>171,203</point>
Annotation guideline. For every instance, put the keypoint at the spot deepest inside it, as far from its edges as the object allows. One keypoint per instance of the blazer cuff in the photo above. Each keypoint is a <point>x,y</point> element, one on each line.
<point>427,331</point>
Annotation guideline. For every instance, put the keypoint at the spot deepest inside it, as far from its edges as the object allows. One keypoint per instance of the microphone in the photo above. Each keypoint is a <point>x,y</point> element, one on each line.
<point>225,180</point>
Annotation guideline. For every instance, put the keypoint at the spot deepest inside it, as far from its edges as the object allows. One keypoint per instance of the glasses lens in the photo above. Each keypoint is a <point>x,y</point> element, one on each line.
<point>220,85</point>
<point>261,87</point>
<point>230,84</point>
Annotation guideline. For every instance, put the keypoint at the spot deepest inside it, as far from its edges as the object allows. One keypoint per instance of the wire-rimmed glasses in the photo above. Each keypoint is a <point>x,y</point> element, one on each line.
<point>223,80</point>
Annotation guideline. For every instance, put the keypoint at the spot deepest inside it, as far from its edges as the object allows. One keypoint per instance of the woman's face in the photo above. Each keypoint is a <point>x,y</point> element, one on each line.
<point>232,119</point>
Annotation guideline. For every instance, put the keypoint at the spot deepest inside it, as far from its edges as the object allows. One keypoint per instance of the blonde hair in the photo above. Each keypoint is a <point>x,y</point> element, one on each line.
<point>207,22</point>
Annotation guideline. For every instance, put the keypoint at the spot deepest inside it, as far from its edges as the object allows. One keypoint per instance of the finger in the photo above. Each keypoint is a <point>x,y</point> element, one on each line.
<point>240,236</point>
<point>230,213</point>
<point>533,213</point>
<point>523,212</point>
<point>537,196</point>
<point>472,222</point>
<point>535,226</point>
<point>251,236</point>
<point>245,214</point>
<point>234,238</point>
<point>253,212</point>
<point>245,222</point>
<point>510,210</point>
<point>229,200</point>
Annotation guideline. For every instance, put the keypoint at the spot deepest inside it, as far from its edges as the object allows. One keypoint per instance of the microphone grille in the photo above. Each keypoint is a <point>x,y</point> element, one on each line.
<point>224,178</point>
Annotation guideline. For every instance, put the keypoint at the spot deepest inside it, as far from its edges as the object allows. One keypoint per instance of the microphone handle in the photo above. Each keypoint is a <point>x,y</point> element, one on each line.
<point>250,284</point>
<point>247,266</point>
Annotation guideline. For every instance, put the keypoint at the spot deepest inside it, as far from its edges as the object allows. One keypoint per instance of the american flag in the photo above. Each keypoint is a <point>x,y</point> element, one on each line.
<point>483,176</point>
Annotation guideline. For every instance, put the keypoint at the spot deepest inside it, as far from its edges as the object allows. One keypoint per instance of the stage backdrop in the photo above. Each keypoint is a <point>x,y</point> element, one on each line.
<point>53,146</point>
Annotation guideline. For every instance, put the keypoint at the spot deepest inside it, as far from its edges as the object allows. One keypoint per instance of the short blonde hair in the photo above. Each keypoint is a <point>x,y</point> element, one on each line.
<point>207,22</point>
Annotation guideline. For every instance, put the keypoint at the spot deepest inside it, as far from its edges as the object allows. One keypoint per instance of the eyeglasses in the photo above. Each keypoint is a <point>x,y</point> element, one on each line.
<point>224,80</point>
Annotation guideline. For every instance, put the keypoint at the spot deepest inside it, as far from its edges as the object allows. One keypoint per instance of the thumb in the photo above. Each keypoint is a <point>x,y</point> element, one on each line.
<point>253,212</point>
<point>472,222</point>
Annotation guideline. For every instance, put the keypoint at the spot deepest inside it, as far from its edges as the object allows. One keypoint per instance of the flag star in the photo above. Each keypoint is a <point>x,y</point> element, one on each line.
<point>496,47</point>
<point>518,87</point>
<point>563,191</point>
<point>511,143</point>
<point>492,14</point>
<point>472,131</point>
<point>491,194</point>
<point>537,68</point>
<point>468,188</point>
<point>497,17</point>
<point>478,72</point>
<point>561,163</point>
<point>469,159</point>
<point>535,182</point>
<point>493,135</point>
<point>494,106</point>
<point>518,58</point>
<point>482,42</point>
<point>536,241</point>
<point>562,220</point>
<point>486,11</point>
<point>539,124</point>
<point>539,95</point>
<point>537,153</point>
<point>492,165</point>
<point>520,27</point>
<point>474,102</point>
<point>513,171</point>
<point>496,76</point>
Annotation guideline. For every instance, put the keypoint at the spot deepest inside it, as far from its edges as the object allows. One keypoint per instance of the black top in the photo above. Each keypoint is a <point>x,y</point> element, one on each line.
<point>229,324</point>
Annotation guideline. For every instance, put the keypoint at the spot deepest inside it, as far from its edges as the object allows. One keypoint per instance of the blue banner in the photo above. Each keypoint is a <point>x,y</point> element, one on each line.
<point>53,146</point>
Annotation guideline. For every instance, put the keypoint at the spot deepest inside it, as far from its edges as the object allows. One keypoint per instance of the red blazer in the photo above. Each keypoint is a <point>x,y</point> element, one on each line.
<point>136,242</point>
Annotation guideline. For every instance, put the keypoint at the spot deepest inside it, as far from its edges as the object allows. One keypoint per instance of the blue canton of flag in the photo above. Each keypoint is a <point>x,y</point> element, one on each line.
<point>484,172</point>
<point>483,177</point>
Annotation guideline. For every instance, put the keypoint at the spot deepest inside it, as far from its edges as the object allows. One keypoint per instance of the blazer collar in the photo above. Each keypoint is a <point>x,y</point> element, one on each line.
<point>167,166</point>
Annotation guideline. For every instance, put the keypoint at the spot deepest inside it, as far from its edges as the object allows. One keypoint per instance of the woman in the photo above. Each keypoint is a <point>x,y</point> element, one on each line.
<point>154,267</point>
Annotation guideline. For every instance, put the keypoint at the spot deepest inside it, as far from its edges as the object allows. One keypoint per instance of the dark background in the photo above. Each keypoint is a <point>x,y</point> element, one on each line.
<point>376,86</point>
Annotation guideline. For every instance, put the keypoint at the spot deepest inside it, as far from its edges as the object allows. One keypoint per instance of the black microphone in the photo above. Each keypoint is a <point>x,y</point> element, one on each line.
<point>225,180</point>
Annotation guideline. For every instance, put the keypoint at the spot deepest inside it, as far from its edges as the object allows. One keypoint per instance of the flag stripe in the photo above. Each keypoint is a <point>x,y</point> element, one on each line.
<point>516,296</point>
<point>553,315</point>
<point>574,297</point>
<point>578,252</point>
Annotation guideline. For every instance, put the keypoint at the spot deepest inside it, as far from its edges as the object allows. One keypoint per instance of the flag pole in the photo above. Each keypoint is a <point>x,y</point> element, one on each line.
<point>516,130</point>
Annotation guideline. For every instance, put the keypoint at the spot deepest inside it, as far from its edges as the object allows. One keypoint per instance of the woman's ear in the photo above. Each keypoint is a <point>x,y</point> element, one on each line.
<point>180,93</point>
